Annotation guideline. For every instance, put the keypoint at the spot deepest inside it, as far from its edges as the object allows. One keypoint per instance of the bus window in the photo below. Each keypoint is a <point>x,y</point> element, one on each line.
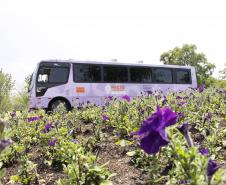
<point>140,74</point>
<point>183,76</point>
<point>55,75</point>
<point>86,73</point>
<point>162,75</point>
<point>115,74</point>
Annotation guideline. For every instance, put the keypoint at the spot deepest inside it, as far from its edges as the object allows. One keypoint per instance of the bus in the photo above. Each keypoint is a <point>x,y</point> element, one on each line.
<point>69,82</point>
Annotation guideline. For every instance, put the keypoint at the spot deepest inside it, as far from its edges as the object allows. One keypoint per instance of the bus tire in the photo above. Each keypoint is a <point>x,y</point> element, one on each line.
<point>56,104</point>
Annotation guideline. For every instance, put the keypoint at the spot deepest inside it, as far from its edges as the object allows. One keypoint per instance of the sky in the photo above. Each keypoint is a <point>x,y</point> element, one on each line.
<point>126,30</point>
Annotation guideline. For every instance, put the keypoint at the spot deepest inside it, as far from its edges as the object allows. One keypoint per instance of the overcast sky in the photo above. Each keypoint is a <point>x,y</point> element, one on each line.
<point>126,30</point>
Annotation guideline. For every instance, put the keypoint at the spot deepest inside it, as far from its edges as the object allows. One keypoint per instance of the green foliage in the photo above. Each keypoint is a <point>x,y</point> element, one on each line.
<point>6,85</point>
<point>223,74</point>
<point>20,99</point>
<point>4,143</point>
<point>27,172</point>
<point>216,83</point>
<point>188,56</point>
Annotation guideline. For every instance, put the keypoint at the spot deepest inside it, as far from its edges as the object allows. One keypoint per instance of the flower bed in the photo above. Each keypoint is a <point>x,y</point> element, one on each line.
<point>152,139</point>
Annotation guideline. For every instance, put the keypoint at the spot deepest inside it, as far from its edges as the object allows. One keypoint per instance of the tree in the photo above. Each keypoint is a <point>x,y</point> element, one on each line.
<point>188,56</point>
<point>20,100</point>
<point>223,74</point>
<point>6,86</point>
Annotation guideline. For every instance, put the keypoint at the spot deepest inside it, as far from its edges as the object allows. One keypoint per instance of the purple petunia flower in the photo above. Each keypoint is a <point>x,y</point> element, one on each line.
<point>179,97</point>
<point>208,116</point>
<point>152,132</point>
<point>164,100</point>
<point>149,92</point>
<point>13,114</point>
<point>4,143</point>
<point>72,132</point>
<point>110,98</point>
<point>48,127</point>
<point>184,129</point>
<point>212,167</point>
<point>157,97</point>
<point>53,142</point>
<point>180,115</point>
<point>104,117</point>
<point>74,140</point>
<point>142,111</point>
<point>201,88</point>
<point>204,151</point>
<point>126,97</point>
<point>34,118</point>
<point>183,103</point>
<point>184,182</point>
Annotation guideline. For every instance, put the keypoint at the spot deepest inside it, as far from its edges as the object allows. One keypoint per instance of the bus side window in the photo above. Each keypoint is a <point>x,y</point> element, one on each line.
<point>163,75</point>
<point>183,76</point>
<point>140,74</point>
<point>86,73</point>
<point>115,74</point>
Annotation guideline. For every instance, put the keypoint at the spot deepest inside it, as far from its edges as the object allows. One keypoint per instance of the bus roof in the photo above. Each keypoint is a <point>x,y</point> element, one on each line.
<point>115,63</point>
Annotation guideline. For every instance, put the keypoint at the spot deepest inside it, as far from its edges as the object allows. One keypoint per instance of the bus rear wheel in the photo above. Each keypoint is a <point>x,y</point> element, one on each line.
<point>59,106</point>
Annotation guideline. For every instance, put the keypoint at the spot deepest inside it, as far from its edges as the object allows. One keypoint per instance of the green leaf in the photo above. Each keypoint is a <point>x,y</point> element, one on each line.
<point>123,143</point>
<point>131,153</point>
<point>15,178</point>
<point>106,182</point>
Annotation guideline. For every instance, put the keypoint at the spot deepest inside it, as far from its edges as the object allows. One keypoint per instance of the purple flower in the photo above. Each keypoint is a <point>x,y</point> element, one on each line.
<point>149,92</point>
<point>208,116</point>
<point>201,88</point>
<point>157,97</point>
<point>204,151</point>
<point>182,103</point>
<point>34,118</point>
<point>142,111</point>
<point>178,97</point>
<point>4,143</point>
<point>180,115</point>
<point>74,140</point>
<point>13,114</point>
<point>184,182</point>
<point>184,129</point>
<point>48,127</point>
<point>53,142</point>
<point>164,100</point>
<point>72,132</point>
<point>152,131</point>
<point>212,167</point>
<point>104,117</point>
<point>126,97</point>
<point>110,98</point>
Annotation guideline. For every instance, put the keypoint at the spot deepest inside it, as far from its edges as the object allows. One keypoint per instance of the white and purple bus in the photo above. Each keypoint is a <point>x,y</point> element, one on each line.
<point>70,82</point>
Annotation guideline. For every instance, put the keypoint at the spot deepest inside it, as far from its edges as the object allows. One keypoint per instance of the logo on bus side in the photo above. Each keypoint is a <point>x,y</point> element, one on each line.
<point>115,89</point>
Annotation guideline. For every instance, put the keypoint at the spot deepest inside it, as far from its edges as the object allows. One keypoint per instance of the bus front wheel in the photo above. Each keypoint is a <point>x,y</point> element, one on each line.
<point>59,106</point>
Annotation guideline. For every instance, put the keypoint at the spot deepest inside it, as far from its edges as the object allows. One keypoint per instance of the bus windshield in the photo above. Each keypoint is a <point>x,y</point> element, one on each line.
<point>52,74</point>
